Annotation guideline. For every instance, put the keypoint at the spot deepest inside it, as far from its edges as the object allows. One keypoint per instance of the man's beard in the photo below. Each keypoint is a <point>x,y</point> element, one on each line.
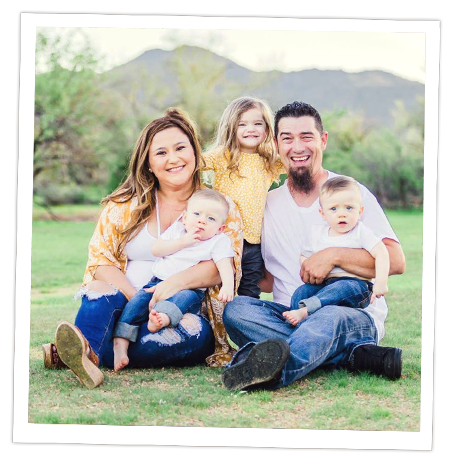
<point>301,181</point>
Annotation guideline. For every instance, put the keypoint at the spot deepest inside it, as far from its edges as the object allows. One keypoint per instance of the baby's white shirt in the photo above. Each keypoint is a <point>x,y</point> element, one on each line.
<point>359,237</point>
<point>216,248</point>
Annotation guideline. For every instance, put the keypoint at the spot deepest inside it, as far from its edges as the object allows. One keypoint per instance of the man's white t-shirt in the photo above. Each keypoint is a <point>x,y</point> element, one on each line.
<point>360,237</point>
<point>285,234</point>
<point>216,248</point>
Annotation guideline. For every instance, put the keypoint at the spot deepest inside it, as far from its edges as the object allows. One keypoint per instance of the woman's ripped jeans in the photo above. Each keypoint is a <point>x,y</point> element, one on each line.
<point>187,344</point>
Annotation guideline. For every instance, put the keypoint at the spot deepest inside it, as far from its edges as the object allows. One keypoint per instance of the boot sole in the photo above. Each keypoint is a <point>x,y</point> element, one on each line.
<point>265,360</point>
<point>72,350</point>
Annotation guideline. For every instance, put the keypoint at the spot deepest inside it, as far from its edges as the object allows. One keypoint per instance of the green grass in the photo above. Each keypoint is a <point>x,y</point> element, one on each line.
<point>68,212</point>
<point>195,396</point>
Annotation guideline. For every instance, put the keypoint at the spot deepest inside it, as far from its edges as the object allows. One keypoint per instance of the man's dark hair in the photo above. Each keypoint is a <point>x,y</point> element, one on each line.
<point>298,109</point>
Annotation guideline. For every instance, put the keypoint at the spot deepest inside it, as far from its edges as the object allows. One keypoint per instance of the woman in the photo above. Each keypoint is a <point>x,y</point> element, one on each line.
<point>164,172</point>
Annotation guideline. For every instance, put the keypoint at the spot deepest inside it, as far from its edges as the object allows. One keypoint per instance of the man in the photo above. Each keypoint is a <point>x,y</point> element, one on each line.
<point>274,353</point>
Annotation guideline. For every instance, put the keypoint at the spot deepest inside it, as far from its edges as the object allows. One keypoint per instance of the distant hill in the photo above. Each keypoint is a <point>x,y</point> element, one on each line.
<point>155,76</point>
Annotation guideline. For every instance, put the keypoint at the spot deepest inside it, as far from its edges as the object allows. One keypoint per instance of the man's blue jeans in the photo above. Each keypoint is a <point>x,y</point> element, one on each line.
<point>326,338</point>
<point>339,291</point>
<point>136,311</point>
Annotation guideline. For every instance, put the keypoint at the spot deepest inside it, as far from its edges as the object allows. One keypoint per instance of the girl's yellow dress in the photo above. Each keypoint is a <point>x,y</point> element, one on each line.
<point>248,189</point>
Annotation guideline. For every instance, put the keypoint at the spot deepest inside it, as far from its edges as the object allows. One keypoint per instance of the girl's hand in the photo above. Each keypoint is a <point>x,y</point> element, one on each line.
<point>163,290</point>
<point>379,290</point>
<point>226,294</point>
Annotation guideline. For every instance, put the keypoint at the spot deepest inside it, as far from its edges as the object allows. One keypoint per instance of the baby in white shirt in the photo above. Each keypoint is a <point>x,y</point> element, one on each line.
<point>341,208</point>
<point>198,237</point>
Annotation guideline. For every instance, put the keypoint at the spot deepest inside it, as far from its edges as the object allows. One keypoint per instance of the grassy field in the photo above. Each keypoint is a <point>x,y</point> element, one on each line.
<point>195,396</point>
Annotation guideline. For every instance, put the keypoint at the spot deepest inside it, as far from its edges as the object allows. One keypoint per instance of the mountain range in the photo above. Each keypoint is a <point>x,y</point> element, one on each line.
<point>159,78</point>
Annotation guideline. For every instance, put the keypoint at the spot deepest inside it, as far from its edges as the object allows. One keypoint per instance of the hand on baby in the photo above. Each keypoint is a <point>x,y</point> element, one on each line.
<point>316,268</point>
<point>226,294</point>
<point>379,290</point>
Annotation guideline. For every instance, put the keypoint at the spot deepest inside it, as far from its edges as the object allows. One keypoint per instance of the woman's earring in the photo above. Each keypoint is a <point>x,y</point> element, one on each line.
<point>150,169</point>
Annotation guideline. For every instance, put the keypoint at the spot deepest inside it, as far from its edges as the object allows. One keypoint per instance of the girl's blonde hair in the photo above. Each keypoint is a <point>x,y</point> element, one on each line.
<point>141,182</point>
<point>226,134</point>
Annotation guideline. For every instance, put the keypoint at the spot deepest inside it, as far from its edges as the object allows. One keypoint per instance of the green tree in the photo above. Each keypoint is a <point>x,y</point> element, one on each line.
<point>77,129</point>
<point>389,161</point>
<point>393,159</point>
<point>345,130</point>
<point>410,128</point>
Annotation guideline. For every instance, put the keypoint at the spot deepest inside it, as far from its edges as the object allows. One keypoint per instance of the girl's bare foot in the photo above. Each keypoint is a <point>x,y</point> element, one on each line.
<point>121,359</point>
<point>296,315</point>
<point>157,321</point>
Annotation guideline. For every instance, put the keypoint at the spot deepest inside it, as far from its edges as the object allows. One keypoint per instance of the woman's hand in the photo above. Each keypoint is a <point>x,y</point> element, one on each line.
<point>202,275</point>
<point>162,291</point>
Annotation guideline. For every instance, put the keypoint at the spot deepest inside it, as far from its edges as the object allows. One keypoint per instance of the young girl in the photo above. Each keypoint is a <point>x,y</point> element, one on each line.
<point>245,164</point>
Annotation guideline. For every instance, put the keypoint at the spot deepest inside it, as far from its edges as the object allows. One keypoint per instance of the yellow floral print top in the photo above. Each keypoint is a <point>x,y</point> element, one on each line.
<point>105,240</point>
<point>248,189</point>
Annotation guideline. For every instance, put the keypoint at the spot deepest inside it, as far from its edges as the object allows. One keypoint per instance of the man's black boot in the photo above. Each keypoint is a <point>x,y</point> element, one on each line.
<point>263,363</point>
<point>386,361</point>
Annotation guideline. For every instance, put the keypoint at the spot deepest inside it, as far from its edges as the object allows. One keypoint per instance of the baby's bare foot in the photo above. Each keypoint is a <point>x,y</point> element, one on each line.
<point>121,359</point>
<point>157,321</point>
<point>296,315</point>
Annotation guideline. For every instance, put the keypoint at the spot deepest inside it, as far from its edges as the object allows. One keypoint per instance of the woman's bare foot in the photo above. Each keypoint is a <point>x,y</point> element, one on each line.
<point>296,315</point>
<point>121,359</point>
<point>157,321</point>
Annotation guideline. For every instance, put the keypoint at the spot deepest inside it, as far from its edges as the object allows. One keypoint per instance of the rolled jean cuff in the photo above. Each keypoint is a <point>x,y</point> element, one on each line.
<point>312,304</point>
<point>171,310</point>
<point>126,331</point>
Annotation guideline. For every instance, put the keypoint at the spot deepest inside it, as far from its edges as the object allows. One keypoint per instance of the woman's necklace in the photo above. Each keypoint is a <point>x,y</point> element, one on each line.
<point>169,211</point>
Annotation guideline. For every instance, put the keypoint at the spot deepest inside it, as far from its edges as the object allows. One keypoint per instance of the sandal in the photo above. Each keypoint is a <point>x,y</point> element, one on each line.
<point>51,357</point>
<point>75,352</point>
<point>52,360</point>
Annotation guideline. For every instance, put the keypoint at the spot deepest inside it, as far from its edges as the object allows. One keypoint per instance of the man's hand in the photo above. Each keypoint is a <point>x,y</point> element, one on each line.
<point>266,283</point>
<point>315,268</point>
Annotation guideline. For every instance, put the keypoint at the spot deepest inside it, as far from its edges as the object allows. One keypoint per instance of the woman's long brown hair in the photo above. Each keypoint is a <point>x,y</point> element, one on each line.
<point>141,182</point>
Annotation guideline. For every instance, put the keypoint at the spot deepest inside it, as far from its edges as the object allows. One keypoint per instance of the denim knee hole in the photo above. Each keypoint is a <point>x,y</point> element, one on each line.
<point>168,336</point>
<point>84,291</point>
<point>191,324</point>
